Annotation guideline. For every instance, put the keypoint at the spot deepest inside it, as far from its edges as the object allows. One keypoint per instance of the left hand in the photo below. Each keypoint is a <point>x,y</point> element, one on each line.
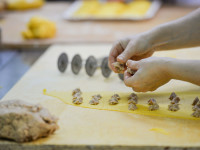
<point>151,73</point>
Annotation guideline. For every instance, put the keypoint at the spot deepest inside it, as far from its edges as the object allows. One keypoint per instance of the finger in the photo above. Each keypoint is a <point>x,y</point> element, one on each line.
<point>149,54</point>
<point>115,51</point>
<point>136,89</point>
<point>133,81</point>
<point>127,53</point>
<point>128,79</point>
<point>111,60</point>
<point>126,75</point>
<point>134,65</point>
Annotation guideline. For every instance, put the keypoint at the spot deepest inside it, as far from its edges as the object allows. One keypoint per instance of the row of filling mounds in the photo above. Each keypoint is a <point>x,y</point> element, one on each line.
<point>133,100</point>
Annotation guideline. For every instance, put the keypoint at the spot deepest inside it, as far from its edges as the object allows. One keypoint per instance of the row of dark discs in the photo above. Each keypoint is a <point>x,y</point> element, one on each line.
<point>91,65</point>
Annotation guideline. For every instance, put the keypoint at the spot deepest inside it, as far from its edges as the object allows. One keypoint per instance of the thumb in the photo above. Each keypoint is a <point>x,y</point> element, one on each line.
<point>123,57</point>
<point>128,52</point>
<point>131,81</point>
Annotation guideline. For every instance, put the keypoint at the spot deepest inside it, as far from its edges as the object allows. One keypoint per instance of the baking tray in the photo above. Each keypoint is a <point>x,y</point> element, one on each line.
<point>69,13</point>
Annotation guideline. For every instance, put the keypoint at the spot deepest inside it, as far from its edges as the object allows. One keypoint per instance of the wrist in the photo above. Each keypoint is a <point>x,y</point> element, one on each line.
<point>168,67</point>
<point>158,38</point>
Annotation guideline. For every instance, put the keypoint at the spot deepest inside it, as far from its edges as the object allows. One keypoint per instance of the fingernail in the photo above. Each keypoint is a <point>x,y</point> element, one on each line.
<point>126,77</point>
<point>127,63</point>
<point>120,57</point>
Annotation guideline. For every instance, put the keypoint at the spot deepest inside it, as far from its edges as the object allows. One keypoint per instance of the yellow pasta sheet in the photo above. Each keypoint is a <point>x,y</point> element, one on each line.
<point>162,99</point>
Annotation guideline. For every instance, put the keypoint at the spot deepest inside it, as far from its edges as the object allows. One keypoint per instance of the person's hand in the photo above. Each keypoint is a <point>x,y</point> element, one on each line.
<point>135,48</point>
<point>151,73</point>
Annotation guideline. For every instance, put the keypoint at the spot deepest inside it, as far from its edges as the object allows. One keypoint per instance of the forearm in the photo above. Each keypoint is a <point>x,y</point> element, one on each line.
<point>181,33</point>
<point>186,70</point>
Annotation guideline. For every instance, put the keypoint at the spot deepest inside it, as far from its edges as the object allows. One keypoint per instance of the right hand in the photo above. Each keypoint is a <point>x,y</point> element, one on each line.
<point>151,73</point>
<point>135,48</point>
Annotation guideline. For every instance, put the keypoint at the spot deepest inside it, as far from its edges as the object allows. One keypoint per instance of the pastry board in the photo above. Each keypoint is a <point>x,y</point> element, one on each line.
<point>86,128</point>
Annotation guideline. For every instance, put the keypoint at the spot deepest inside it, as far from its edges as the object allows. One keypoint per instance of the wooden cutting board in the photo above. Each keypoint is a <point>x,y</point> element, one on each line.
<point>86,128</point>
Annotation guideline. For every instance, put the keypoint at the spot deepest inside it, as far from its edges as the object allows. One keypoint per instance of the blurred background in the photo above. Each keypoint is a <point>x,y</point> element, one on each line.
<point>29,27</point>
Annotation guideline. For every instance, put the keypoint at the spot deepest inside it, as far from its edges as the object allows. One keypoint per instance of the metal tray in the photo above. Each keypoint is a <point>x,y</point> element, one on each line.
<point>69,13</point>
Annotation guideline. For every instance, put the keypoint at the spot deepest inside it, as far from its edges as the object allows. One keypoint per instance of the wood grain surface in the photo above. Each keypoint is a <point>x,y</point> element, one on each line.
<point>14,23</point>
<point>84,128</point>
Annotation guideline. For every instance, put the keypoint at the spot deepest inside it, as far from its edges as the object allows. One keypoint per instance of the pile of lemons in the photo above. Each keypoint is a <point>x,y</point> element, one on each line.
<point>24,4</point>
<point>39,27</point>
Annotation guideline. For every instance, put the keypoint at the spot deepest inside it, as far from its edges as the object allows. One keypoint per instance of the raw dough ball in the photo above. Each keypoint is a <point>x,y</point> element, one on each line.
<point>98,96</point>
<point>133,95</point>
<point>77,100</point>
<point>77,90</point>
<point>77,95</point>
<point>153,104</point>
<point>196,108</point>
<point>196,113</point>
<point>173,107</point>
<point>175,100</point>
<point>174,104</point>
<point>119,67</point>
<point>133,100</point>
<point>94,101</point>
<point>152,101</point>
<point>132,106</point>
<point>23,122</point>
<point>113,101</point>
<point>130,71</point>
<point>116,96</point>
<point>172,96</point>
<point>196,100</point>
<point>153,107</point>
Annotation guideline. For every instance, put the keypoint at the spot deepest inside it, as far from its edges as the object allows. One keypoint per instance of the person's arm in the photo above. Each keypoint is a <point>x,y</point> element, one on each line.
<point>186,70</point>
<point>181,33</point>
<point>154,72</point>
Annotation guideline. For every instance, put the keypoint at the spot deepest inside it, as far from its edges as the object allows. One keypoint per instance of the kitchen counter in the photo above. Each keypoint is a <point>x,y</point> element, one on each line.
<point>78,31</point>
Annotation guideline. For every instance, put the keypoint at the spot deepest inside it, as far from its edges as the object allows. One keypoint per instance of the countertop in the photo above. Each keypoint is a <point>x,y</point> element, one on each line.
<point>14,22</point>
